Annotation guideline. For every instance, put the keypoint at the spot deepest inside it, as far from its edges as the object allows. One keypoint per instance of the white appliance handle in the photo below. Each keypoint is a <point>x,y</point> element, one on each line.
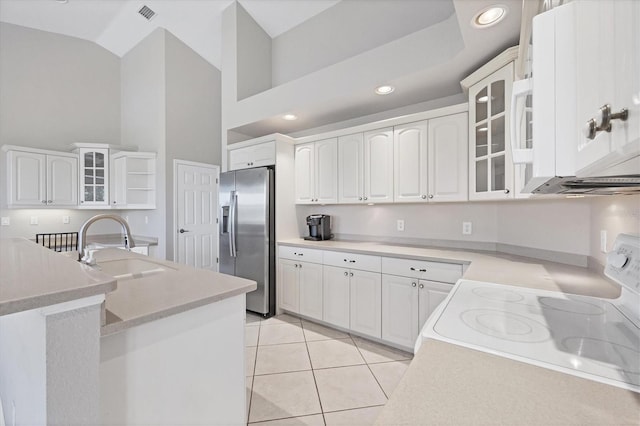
<point>521,88</point>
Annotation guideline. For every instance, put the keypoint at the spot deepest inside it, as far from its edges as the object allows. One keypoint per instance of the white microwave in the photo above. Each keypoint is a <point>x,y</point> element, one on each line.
<point>545,132</point>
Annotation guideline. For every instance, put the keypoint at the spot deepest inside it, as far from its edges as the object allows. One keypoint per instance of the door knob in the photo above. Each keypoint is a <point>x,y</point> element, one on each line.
<point>182,231</point>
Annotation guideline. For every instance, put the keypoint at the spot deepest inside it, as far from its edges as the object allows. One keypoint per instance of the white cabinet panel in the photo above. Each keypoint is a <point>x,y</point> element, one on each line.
<point>336,296</point>
<point>310,285</point>
<point>350,168</point>
<point>289,294</point>
<point>410,162</point>
<point>26,178</point>
<point>422,269</point>
<point>305,173</point>
<point>133,180</point>
<point>431,294</point>
<point>378,166</point>
<point>300,254</point>
<point>366,303</point>
<point>263,154</point>
<point>62,181</point>
<point>326,171</point>
<point>400,315</point>
<point>448,149</point>
<point>363,262</point>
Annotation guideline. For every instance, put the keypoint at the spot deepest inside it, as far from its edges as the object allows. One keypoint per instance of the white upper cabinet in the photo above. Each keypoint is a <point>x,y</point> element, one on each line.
<point>263,154</point>
<point>490,163</point>
<point>610,77</point>
<point>133,178</point>
<point>431,160</point>
<point>94,177</point>
<point>37,179</point>
<point>350,168</point>
<point>448,151</point>
<point>410,162</point>
<point>317,172</point>
<point>378,166</point>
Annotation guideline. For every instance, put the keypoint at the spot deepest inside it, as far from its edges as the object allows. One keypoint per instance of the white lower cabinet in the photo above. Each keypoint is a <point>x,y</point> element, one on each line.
<point>366,303</point>
<point>288,277</point>
<point>301,287</point>
<point>406,305</point>
<point>310,288</point>
<point>336,296</point>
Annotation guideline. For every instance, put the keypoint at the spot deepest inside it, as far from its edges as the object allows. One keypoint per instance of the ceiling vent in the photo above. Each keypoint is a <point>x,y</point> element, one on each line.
<point>147,13</point>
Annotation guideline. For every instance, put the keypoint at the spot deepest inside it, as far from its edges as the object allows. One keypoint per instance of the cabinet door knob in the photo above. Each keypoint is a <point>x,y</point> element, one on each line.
<point>359,198</point>
<point>44,201</point>
<point>423,197</point>
<point>351,274</point>
<point>345,260</point>
<point>300,266</point>
<point>295,265</point>
<point>346,274</point>
<point>430,196</point>
<point>506,190</point>
<point>421,285</point>
<point>413,284</point>
<point>49,201</point>
<point>365,198</point>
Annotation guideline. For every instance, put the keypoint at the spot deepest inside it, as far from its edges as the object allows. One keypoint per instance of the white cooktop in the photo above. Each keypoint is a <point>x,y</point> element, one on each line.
<point>589,337</point>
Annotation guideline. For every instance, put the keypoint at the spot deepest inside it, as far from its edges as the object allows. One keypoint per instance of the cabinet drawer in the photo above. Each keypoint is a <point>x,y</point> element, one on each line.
<point>353,261</point>
<point>422,269</point>
<point>300,253</point>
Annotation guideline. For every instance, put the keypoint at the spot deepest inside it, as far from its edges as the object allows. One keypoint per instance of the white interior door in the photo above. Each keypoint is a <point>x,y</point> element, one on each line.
<point>195,214</point>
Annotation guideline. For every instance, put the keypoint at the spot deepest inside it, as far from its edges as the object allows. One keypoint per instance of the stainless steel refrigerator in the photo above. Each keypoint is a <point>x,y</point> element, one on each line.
<point>247,233</point>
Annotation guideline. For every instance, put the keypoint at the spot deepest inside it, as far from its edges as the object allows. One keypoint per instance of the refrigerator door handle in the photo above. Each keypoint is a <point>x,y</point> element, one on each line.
<point>233,218</point>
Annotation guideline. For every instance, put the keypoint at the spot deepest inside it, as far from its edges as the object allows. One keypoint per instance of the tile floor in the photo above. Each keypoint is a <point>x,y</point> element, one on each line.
<point>302,373</point>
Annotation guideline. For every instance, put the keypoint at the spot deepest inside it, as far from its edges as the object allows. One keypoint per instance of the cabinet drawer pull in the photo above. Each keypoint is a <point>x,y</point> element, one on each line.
<point>345,260</point>
<point>352,261</point>
<point>300,254</point>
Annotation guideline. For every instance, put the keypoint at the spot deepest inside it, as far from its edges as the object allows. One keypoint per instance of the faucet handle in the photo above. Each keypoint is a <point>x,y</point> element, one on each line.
<point>89,258</point>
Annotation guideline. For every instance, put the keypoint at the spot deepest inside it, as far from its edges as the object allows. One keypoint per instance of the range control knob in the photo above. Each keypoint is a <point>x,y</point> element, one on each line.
<point>617,260</point>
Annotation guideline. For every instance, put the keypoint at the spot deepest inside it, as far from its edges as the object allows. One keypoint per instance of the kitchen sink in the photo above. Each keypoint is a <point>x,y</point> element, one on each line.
<point>129,269</point>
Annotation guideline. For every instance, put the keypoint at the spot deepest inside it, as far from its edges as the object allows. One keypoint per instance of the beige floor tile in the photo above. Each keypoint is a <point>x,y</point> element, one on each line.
<point>278,396</point>
<point>358,417</point>
<point>282,358</point>
<point>346,388</point>
<point>251,335</point>
<point>334,353</point>
<point>249,360</point>
<point>280,333</point>
<point>313,332</point>
<point>281,319</point>
<point>389,374</point>
<point>252,319</point>
<point>375,352</point>
<point>315,420</point>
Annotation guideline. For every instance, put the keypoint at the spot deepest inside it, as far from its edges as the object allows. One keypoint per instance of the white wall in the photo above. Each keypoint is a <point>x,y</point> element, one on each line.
<point>348,29</point>
<point>56,90</point>
<point>254,56</point>
<point>615,215</point>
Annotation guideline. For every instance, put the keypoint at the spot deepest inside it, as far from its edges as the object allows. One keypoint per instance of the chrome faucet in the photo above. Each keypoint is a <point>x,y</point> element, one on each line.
<point>82,234</point>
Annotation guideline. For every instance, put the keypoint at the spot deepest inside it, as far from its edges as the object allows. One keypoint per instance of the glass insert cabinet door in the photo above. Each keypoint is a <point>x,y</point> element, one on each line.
<point>94,177</point>
<point>491,168</point>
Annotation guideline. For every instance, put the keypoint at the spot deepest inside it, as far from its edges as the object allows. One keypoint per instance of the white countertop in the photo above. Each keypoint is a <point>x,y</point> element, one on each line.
<point>447,384</point>
<point>32,276</point>
<point>179,288</point>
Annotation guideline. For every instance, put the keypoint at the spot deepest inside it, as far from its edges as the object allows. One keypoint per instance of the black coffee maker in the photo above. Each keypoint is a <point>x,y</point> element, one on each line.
<point>319,227</point>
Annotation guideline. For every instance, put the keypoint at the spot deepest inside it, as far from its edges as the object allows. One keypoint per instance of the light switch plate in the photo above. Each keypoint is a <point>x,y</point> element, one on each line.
<point>6,221</point>
<point>66,220</point>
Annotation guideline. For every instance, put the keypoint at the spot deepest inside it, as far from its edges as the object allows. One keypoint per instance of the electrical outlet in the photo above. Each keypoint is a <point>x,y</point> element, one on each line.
<point>66,220</point>
<point>34,220</point>
<point>6,221</point>
<point>603,240</point>
<point>400,224</point>
<point>466,228</point>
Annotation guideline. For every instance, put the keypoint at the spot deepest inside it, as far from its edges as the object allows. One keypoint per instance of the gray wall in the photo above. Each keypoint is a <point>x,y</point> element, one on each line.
<point>348,29</point>
<point>254,56</point>
<point>193,115</point>
<point>56,90</point>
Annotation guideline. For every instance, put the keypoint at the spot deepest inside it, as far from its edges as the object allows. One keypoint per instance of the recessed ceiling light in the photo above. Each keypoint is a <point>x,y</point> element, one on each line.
<point>62,1</point>
<point>290,117</point>
<point>489,16</point>
<point>384,90</point>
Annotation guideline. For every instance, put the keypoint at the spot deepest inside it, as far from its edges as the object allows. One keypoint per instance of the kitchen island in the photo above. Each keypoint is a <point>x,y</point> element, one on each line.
<point>131,340</point>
